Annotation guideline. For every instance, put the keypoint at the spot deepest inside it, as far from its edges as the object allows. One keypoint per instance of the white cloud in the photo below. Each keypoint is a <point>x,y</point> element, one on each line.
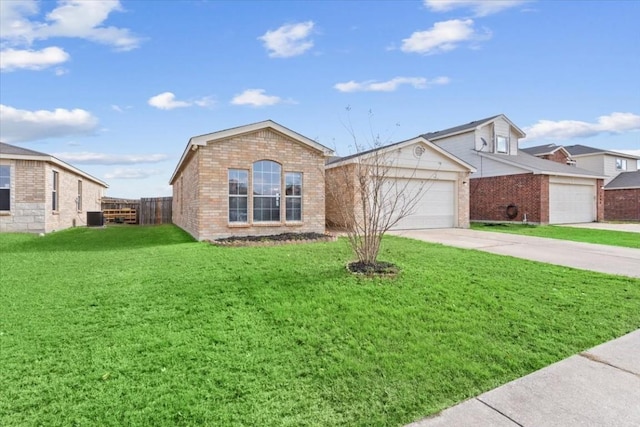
<point>132,173</point>
<point>14,59</point>
<point>89,158</point>
<point>256,98</point>
<point>479,7</point>
<point>389,85</point>
<point>568,129</point>
<point>442,37</point>
<point>167,101</point>
<point>24,125</point>
<point>71,18</point>
<point>288,40</point>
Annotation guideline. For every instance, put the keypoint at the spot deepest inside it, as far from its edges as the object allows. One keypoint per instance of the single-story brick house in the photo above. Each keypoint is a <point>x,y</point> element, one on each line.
<point>257,179</point>
<point>435,180</point>
<point>512,185</point>
<point>40,193</point>
<point>622,197</point>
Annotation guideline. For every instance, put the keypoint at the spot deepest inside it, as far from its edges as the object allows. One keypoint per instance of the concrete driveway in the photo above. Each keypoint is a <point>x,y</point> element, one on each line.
<point>585,256</point>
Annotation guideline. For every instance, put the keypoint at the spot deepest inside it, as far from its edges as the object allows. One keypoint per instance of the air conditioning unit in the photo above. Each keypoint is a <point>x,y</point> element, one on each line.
<point>95,219</point>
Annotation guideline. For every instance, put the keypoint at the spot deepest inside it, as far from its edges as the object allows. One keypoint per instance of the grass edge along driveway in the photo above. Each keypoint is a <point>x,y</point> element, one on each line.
<point>144,326</point>
<point>585,235</point>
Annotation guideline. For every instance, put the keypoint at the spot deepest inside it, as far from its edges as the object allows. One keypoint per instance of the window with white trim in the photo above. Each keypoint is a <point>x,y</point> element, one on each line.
<point>54,191</point>
<point>293,196</point>
<point>502,144</point>
<point>238,195</point>
<point>621,164</point>
<point>79,199</point>
<point>266,192</point>
<point>5,188</point>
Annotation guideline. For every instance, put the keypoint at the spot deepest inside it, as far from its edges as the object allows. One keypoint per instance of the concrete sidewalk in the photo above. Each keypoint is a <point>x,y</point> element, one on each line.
<point>598,387</point>
<point>585,256</point>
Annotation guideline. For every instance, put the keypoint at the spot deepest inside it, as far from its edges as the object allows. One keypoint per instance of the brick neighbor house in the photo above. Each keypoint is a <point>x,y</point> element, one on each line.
<point>258,179</point>
<point>622,179</point>
<point>417,173</point>
<point>512,185</point>
<point>40,193</point>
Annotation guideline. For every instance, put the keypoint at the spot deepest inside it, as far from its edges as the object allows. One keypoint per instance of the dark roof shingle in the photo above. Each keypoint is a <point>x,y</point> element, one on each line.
<point>625,180</point>
<point>19,151</point>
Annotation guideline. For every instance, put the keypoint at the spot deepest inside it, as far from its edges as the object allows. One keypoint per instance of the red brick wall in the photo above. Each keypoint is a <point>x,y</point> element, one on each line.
<point>622,205</point>
<point>490,197</point>
<point>558,157</point>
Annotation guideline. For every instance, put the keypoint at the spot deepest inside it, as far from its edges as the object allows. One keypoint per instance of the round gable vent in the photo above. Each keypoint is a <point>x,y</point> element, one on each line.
<point>418,150</point>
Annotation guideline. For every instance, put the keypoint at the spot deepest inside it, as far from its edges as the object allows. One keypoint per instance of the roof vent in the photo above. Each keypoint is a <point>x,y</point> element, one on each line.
<point>418,151</point>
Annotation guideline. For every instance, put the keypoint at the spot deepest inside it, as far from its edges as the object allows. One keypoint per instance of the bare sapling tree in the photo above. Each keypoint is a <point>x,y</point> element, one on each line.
<point>370,192</point>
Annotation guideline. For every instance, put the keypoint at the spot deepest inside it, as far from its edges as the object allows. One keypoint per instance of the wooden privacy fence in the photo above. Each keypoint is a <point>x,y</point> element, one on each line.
<point>146,211</point>
<point>155,210</point>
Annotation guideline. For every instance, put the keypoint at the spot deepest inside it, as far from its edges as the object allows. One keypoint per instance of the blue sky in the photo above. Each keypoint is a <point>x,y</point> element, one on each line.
<point>117,88</point>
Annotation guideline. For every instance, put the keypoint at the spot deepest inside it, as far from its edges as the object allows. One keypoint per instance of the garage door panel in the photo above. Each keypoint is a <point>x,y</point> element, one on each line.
<point>435,207</point>
<point>571,203</point>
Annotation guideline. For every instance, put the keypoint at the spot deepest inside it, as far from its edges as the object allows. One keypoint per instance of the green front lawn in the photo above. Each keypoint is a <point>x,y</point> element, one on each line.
<point>587,235</point>
<point>143,326</point>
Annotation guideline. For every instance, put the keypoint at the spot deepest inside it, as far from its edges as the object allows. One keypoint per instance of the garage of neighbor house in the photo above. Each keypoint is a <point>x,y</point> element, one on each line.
<point>436,182</point>
<point>572,200</point>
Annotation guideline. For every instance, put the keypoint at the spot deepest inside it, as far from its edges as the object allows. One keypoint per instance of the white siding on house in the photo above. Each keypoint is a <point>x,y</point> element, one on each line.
<point>591,163</point>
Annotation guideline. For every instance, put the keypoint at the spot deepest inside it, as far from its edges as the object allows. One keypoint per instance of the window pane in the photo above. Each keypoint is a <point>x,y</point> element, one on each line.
<point>5,199</point>
<point>267,177</point>
<point>294,209</point>
<point>5,176</point>
<point>237,209</point>
<point>501,144</point>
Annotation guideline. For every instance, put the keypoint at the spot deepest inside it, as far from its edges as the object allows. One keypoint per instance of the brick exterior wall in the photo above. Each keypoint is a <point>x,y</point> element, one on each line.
<point>201,192</point>
<point>622,205</point>
<point>559,157</point>
<point>31,199</point>
<point>490,197</point>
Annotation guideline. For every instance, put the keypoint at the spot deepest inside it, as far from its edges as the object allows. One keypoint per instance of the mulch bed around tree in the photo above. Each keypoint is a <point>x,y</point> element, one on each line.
<point>274,239</point>
<point>380,268</point>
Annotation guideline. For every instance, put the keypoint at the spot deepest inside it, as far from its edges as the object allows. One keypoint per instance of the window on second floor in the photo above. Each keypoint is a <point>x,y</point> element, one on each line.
<point>502,144</point>
<point>621,164</point>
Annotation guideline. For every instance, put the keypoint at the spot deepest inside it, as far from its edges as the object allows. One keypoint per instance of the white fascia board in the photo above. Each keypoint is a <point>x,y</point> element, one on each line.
<point>398,145</point>
<point>55,161</point>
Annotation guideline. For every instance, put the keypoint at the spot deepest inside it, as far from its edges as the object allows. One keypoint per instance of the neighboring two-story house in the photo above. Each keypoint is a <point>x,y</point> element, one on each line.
<point>40,193</point>
<point>512,185</point>
<point>622,176</point>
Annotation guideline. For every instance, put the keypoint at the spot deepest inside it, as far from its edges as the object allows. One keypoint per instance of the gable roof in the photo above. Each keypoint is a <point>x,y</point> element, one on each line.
<point>624,180</point>
<point>203,140</point>
<point>13,152</point>
<point>338,161</point>
<point>544,150</point>
<point>540,166</point>
<point>432,136</point>
<point>583,150</point>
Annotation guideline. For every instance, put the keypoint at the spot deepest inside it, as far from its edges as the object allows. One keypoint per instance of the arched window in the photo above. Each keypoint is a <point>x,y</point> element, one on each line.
<point>267,180</point>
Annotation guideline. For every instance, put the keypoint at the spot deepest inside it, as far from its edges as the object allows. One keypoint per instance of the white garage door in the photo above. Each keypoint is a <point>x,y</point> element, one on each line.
<point>435,207</point>
<point>571,203</point>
